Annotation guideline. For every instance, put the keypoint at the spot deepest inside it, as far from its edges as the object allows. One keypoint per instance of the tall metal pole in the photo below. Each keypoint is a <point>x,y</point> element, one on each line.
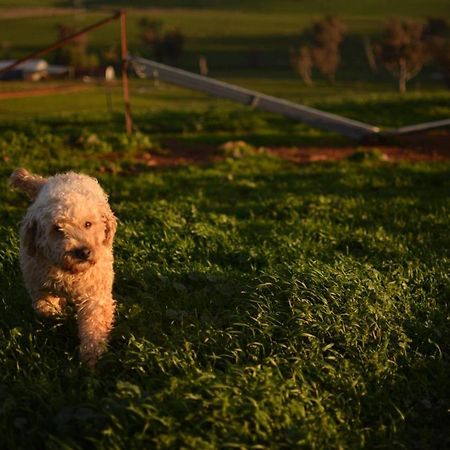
<point>124,52</point>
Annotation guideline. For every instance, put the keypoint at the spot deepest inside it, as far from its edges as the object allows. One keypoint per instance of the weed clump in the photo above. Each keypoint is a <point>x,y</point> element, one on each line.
<point>239,149</point>
<point>367,156</point>
<point>109,142</point>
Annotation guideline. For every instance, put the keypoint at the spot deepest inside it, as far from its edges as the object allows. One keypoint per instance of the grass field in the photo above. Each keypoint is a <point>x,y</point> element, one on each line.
<point>171,111</point>
<point>260,305</point>
<point>253,38</point>
<point>248,46</point>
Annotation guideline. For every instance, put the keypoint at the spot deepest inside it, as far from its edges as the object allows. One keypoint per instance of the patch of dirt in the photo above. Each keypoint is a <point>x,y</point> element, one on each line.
<point>317,154</point>
<point>424,147</point>
<point>180,154</point>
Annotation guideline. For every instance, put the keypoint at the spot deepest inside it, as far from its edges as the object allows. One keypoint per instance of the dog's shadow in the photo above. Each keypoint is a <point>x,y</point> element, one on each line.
<point>161,309</point>
<point>32,341</point>
<point>174,310</point>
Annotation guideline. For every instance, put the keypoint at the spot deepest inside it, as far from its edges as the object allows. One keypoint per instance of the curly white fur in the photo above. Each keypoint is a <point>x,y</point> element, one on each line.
<point>66,253</point>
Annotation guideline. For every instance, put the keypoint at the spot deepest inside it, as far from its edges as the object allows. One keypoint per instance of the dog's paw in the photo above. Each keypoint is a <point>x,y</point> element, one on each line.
<point>49,307</point>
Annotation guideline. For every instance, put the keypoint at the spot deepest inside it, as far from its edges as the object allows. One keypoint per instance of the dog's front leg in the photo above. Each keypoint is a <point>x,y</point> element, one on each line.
<point>95,320</point>
<point>48,306</point>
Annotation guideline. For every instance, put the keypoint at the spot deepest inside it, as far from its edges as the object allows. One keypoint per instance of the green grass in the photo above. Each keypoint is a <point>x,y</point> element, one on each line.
<point>232,39</point>
<point>248,46</point>
<point>169,111</point>
<point>260,305</point>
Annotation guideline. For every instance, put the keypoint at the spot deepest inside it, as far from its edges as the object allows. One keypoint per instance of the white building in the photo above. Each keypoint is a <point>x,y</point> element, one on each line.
<point>33,69</point>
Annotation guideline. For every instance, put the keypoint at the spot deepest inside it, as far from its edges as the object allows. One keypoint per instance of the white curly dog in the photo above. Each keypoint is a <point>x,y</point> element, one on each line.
<point>66,253</point>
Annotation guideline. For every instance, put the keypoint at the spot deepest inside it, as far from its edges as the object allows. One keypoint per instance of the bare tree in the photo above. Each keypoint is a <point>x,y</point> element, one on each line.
<point>302,63</point>
<point>328,31</point>
<point>203,65</point>
<point>324,52</point>
<point>326,60</point>
<point>328,35</point>
<point>402,50</point>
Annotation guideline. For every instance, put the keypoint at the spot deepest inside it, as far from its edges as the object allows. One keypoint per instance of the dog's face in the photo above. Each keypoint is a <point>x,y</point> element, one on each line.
<point>71,235</point>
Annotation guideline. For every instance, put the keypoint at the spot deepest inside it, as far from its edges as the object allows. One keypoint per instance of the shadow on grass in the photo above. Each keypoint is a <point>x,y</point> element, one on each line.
<point>412,400</point>
<point>189,307</point>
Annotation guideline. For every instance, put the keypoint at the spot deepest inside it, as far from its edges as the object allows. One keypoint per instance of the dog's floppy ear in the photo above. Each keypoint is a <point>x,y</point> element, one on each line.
<point>27,182</point>
<point>29,235</point>
<point>110,226</point>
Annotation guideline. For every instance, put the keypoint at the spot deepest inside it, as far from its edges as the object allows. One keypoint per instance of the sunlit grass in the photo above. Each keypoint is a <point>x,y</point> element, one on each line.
<point>163,109</point>
<point>259,304</point>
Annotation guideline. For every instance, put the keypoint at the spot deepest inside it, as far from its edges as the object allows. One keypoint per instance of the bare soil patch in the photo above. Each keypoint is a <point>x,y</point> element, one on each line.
<point>424,147</point>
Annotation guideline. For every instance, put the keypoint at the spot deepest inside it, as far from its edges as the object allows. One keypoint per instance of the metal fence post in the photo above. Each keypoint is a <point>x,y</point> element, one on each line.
<point>124,52</point>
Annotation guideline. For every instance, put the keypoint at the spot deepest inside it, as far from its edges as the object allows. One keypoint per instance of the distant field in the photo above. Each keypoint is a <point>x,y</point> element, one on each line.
<point>232,39</point>
<point>171,111</point>
<point>247,46</point>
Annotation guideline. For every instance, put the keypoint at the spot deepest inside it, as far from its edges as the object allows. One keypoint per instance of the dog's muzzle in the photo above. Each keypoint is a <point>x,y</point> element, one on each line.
<point>82,253</point>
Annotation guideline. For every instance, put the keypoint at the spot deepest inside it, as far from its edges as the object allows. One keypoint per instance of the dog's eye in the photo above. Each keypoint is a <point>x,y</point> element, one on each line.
<point>87,225</point>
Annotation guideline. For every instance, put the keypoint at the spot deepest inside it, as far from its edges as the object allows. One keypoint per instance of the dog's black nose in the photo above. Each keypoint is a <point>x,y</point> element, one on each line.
<point>82,253</point>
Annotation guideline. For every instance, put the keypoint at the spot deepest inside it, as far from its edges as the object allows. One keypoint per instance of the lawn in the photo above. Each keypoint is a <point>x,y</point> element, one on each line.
<point>260,305</point>
<point>169,111</point>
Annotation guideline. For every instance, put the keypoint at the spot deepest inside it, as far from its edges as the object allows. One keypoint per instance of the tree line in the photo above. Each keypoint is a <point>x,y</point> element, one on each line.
<point>403,49</point>
<point>164,45</point>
